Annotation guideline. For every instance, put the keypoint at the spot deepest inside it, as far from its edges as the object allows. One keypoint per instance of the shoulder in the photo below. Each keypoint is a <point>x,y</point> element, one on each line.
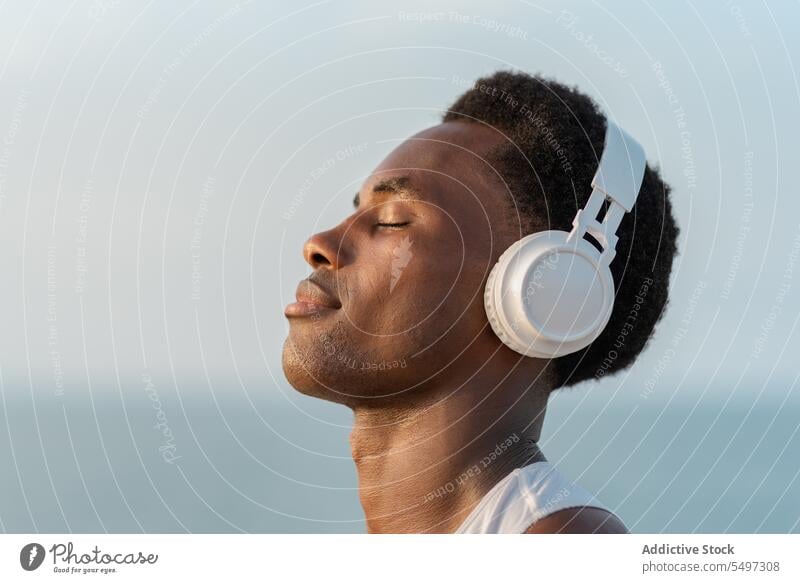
<point>578,520</point>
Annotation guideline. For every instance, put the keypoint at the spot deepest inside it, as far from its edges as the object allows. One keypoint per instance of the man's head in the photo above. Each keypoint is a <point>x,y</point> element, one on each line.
<point>403,275</point>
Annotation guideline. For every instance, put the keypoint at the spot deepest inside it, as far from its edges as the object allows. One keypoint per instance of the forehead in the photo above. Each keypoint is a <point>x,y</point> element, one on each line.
<point>443,164</point>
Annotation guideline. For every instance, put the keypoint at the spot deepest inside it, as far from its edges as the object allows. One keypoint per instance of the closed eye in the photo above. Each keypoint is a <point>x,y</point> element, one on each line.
<point>392,225</point>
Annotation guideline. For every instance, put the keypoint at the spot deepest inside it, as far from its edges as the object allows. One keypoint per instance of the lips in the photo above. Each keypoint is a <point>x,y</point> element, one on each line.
<point>312,297</point>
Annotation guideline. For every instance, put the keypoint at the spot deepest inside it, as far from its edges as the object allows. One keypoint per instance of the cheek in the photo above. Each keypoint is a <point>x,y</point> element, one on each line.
<point>389,297</point>
<point>423,290</point>
<point>452,284</point>
<point>456,296</point>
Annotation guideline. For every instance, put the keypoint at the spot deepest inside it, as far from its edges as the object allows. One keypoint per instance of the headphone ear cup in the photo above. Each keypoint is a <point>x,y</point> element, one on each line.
<point>491,312</point>
<point>547,297</point>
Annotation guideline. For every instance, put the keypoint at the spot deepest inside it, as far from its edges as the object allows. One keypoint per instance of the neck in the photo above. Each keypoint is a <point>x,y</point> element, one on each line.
<point>424,464</point>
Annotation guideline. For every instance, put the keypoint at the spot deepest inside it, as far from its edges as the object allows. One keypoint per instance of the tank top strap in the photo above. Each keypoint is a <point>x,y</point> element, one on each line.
<point>524,496</point>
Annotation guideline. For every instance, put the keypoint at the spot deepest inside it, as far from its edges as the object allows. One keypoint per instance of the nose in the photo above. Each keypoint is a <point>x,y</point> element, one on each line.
<point>324,250</point>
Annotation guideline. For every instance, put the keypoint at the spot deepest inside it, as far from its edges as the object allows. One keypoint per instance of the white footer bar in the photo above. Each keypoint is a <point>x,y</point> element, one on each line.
<point>410,558</point>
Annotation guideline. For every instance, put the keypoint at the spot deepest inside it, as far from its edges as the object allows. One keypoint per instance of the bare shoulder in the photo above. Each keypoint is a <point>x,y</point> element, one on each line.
<point>579,520</point>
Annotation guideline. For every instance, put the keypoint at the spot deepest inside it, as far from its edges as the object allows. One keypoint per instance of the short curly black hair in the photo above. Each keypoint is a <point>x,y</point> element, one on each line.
<point>556,138</point>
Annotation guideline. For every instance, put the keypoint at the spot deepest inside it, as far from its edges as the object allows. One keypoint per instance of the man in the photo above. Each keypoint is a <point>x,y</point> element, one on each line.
<point>391,322</point>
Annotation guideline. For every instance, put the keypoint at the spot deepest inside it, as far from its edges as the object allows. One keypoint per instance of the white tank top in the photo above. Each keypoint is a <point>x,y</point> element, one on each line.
<point>524,496</point>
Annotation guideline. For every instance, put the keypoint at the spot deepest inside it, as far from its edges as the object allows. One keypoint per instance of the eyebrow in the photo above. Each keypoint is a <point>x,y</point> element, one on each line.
<point>400,186</point>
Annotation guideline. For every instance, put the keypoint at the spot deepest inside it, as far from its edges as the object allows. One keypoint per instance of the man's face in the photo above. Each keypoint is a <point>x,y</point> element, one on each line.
<point>395,299</point>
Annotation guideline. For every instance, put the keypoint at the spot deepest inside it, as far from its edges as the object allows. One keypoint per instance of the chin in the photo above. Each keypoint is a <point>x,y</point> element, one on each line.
<point>310,370</point>
<point>301,369</point>
<point>314,371</point>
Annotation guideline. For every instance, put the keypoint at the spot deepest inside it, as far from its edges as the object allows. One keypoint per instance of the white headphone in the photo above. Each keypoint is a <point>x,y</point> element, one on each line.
<point>552,293</point>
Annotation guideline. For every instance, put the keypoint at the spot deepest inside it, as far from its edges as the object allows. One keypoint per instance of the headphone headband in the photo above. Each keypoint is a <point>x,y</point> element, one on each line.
<point>618,179</point>
<point>619,176</point>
